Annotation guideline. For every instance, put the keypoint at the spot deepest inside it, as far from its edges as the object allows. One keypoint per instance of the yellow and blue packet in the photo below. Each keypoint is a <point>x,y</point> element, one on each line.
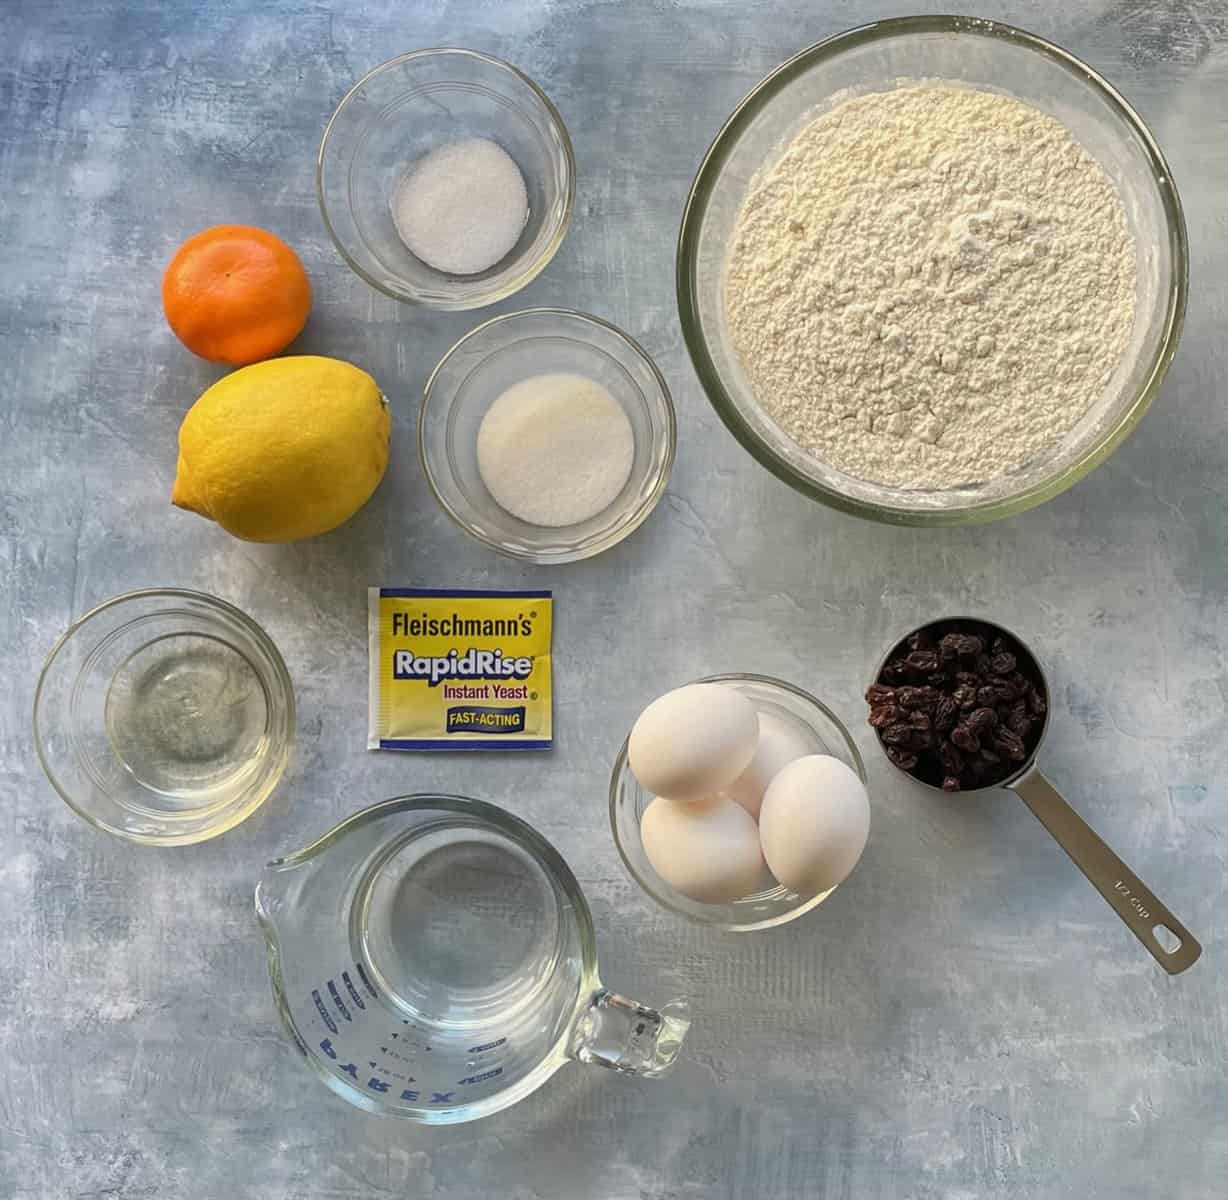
<point>459,670</point>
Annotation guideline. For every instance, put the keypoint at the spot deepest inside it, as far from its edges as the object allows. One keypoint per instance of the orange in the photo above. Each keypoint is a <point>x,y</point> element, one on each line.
<point>236,294</point>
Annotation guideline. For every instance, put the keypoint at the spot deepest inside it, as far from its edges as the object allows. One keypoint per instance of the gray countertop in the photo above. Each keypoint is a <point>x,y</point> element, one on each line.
<point>964,1019</point>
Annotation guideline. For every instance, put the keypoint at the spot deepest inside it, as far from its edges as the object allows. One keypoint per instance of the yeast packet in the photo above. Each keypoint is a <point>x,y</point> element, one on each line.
<point>459,670</point>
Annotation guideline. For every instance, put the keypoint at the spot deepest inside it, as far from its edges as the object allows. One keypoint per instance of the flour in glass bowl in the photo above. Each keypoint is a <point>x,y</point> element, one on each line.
<point>931,286</point>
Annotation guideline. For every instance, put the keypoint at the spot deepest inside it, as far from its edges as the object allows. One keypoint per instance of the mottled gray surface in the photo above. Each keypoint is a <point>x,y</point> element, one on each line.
<point>964,1019</point>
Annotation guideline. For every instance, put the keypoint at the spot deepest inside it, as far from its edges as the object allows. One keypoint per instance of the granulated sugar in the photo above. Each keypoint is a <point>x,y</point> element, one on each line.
<point>461,207</point>
<point>931,286</point>
<point>555,450</point>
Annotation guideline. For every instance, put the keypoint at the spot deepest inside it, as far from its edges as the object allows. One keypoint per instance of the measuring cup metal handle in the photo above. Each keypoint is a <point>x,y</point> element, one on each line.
<point>625,1036</point>
<point>1130,898</point>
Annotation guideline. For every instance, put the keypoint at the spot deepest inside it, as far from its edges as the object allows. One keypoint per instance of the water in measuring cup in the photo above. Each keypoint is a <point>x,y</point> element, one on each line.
<point>187,716</point>
<point>464,972</point>
<point>463,932</point>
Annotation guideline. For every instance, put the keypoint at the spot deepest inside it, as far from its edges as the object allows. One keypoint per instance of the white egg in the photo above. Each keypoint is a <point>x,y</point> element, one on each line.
<point>780,742</point>
<point>814,823</point>
<point>707,850</point>
<point>693,741</point>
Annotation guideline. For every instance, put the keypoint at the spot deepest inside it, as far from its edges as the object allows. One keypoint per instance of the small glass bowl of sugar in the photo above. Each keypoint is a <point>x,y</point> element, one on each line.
<point>446,178</point>
<point>547,435</point>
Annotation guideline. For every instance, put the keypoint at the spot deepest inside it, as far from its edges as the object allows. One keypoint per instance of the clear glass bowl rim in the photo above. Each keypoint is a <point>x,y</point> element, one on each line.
<point>708,177</point>
<point>227,818</point>
<point>597,545</point>
<point>659,893</point>
<point>502,285</point>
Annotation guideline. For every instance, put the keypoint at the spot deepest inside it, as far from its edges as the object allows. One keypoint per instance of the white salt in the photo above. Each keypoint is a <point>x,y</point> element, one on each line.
<point>461,207</point>
<point>555,449</point>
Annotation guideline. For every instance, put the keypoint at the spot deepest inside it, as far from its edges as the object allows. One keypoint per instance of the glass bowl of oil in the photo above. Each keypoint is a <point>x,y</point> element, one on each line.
<point>164,716</point>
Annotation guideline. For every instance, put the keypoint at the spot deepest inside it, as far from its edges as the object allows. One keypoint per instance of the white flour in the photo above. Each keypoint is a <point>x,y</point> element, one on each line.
<point>931,286</point>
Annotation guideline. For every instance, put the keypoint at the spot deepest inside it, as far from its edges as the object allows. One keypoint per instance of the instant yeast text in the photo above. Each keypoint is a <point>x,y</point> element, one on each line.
<point>459,670</point>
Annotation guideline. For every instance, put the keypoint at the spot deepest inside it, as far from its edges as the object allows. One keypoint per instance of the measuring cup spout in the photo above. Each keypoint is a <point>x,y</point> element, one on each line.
<point>619,1033</point>
<point>270,899</point>
<point>277,891</point>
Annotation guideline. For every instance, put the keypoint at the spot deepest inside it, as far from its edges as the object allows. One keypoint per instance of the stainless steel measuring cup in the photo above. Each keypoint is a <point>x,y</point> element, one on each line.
<point>1166,939</point>
<point>433,958</point>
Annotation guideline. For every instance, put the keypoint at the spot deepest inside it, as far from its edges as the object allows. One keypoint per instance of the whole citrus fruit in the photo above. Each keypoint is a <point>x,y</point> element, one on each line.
<point>236,294</point>
<point>284,449</point>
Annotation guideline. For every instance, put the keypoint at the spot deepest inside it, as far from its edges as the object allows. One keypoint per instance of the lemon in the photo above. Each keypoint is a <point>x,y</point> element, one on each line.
<point>283,449</point>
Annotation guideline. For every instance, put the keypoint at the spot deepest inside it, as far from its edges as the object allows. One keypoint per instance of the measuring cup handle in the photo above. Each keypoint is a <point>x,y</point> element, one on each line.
<point>1130,898</point>
<point>619,1033</point>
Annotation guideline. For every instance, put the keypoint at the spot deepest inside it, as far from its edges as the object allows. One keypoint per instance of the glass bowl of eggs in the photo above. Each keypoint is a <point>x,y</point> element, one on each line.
<point>739,801</point>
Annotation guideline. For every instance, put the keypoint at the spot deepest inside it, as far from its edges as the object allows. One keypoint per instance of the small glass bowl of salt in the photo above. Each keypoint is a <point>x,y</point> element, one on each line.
<point>547,435</point>
<point>446,178</point>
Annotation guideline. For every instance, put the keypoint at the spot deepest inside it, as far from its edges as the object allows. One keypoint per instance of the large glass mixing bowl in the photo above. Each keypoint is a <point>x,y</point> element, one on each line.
<point>980,54</point>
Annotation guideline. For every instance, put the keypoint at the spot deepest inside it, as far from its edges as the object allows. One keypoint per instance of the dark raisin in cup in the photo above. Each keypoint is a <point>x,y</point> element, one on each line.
<point>959,705</point>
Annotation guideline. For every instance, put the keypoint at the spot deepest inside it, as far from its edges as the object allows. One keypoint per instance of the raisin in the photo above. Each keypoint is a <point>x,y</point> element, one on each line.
<point>965,739</point>
<point>982,664</point>
<point>884,715</point>
<point>1037,703</point>
<point>960,645</point>
<point>951,759</point>
<point>968,678</point>
<point>1019,722</point>
<point>897,735</point>
<point>877,694</point>
<point>1002,662</point>
<point>950,784</point>
<point>922,662</point>
<point>965,695</point>
<point>988,756</point>
<point>894,672</point>
<point>904,759</point>
<point>1009,745</point>
<point>982,720</point>
<point>946,713</point>
<point>917,697</point>
<point>920,720</point>
<point>987,695</point>
<point>939,679</point>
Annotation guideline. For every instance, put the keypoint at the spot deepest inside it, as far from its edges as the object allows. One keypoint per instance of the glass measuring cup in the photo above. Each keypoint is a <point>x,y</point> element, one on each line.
<point>433,958</point>
<point>1163,936</point>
